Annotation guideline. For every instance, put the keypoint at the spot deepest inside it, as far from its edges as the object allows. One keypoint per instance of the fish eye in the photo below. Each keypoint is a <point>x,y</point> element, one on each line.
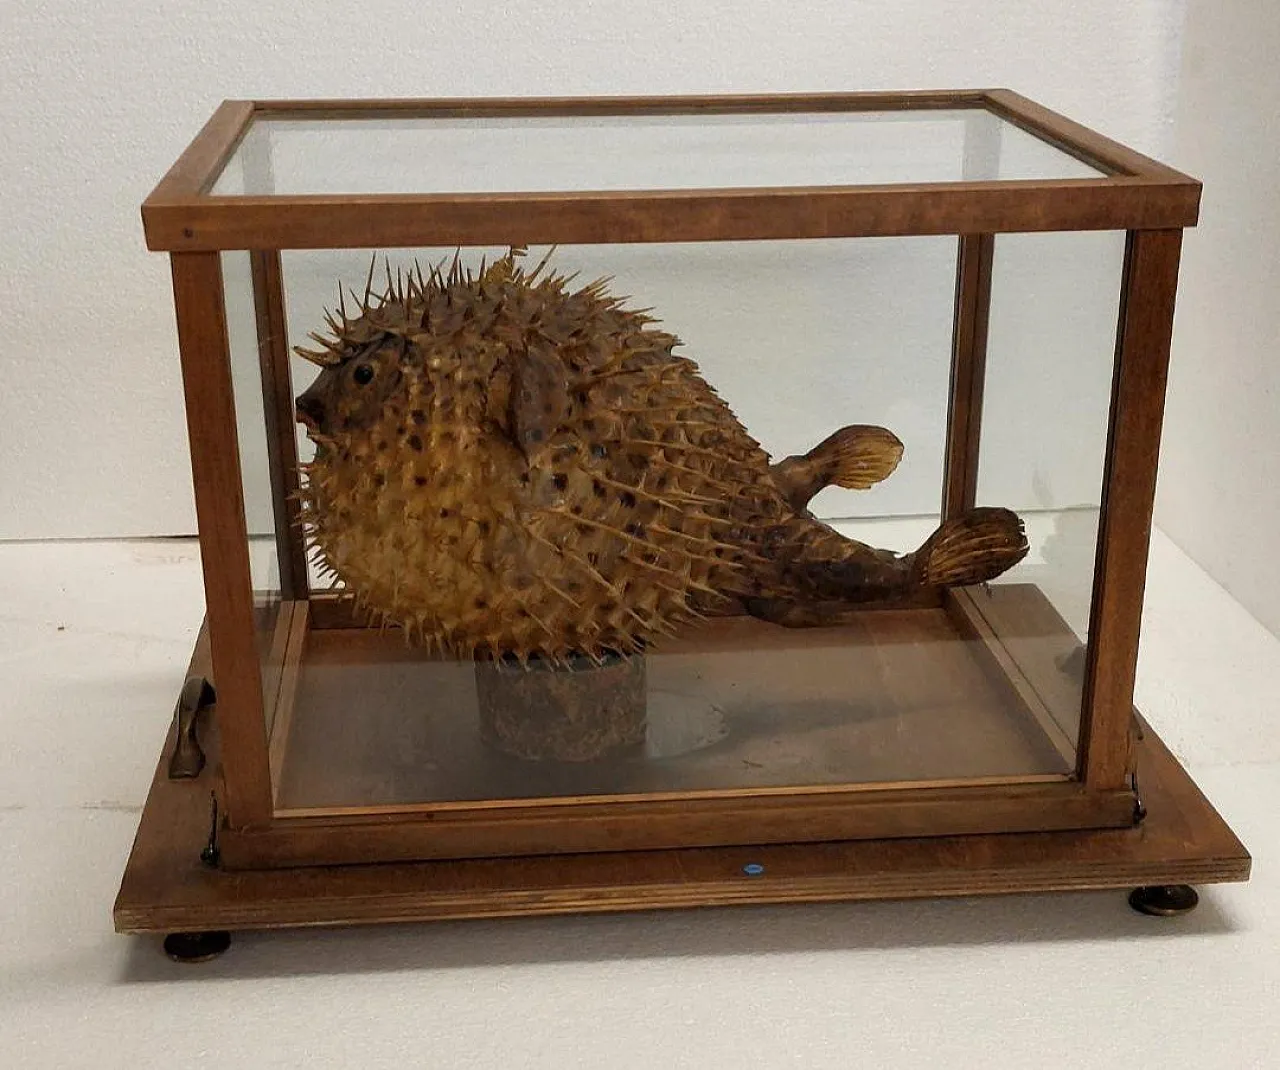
<point>363,375</point>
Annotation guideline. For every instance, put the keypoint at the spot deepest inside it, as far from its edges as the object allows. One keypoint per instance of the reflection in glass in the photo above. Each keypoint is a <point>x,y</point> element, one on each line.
<point>246,381</point>
<point>1050,359</point>
<point>800,338</point>
<point>422,155</point>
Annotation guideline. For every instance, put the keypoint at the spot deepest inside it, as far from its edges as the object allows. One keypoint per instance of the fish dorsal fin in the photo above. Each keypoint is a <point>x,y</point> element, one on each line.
<point>855,457</point>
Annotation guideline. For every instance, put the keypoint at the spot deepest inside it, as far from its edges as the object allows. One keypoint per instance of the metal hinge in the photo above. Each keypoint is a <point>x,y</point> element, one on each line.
<point>210,854</point>
<point>1139,807</point>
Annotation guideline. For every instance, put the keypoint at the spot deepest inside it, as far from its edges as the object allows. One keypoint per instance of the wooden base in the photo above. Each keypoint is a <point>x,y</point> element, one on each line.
<point>167,889</point>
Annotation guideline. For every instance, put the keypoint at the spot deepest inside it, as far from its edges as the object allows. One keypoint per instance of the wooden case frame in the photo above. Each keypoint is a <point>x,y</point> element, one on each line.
<point>1149,201</point>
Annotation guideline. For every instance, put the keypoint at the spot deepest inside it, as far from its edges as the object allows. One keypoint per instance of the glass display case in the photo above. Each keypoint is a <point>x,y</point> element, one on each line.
<point>911,331</point>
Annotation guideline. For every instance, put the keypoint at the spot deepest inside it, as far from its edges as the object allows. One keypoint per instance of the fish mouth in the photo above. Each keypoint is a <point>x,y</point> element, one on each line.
<point>308,420</point>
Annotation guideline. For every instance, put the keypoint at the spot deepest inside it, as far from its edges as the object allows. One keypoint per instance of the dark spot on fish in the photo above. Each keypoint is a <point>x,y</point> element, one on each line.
<point>536,435</point>
<point>651,558</point>
<point>419,417</point>
<point>627,499</point>
<point>597,488</point>
<point>598,451</point>
<point>588,425</point>
<point>582,397</point>
<point>484,527</point>
<point>560,480</point>
<point>593,558</point>
<point>445,514</point>
<point>415,442</point>
<point>635,529</point>
<point>482,603</point>
<point>379,480</point>
<point>419,481</point>
<point>524,479</point>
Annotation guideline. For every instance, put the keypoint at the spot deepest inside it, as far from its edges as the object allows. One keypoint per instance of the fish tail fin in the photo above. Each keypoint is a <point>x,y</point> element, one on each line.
<point>822,576</point>
<point>972,548</point>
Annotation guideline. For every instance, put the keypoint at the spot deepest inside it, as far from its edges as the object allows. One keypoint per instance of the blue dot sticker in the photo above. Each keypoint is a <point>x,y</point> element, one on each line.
<point>753,869</point>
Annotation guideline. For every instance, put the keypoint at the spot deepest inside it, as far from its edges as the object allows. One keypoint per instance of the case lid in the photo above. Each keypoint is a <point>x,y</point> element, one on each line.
<point>312,174</point>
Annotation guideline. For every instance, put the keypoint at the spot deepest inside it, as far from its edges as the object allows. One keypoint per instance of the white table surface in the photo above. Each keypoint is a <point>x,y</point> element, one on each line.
<point>94,640</point>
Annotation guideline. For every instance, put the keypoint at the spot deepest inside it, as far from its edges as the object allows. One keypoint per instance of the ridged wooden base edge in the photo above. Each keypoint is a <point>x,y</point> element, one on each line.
<point>166,888</point>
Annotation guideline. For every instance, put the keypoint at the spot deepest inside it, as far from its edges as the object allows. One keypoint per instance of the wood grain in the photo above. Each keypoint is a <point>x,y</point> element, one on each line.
<point>687,823</point>
<point>281,722</point>
<point>968,373</point>
<point>198,166</point>
<point>278,413</point>
<point>165,887</point>
<point>1138,194</point>
<point>224,541</point>
<point>1128,495</point>
<point>384,762</point>
<point>1077,140</point>
<point>723,104</point>
<point>572,844</point>
<point>276,624</point>
<point>321,221</point>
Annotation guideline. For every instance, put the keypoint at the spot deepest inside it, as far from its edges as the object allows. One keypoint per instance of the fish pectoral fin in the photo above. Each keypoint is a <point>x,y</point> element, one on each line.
<point>538,400</point>
<point>855,457</point>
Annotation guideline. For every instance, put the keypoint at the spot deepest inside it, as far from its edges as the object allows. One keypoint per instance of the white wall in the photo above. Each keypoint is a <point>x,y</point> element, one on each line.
<point>1219,493</point>
<point>97,100</point>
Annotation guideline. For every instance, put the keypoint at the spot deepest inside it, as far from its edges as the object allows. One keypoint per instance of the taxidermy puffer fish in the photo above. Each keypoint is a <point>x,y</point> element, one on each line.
<point>506,466</point>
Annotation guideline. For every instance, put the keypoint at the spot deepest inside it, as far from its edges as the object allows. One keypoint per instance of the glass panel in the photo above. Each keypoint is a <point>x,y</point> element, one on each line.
<point>800,339</point>
<point>246,382</point>
<point>1050,360</point>
<point>424,155</point>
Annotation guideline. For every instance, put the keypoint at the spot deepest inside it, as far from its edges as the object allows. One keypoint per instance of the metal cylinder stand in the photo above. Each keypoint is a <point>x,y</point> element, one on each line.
<point>573,711</point>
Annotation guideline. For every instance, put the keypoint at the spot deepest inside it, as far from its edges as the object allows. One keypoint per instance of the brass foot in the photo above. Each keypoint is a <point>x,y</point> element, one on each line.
<point>1164,900</point>
<point>196,947</point>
